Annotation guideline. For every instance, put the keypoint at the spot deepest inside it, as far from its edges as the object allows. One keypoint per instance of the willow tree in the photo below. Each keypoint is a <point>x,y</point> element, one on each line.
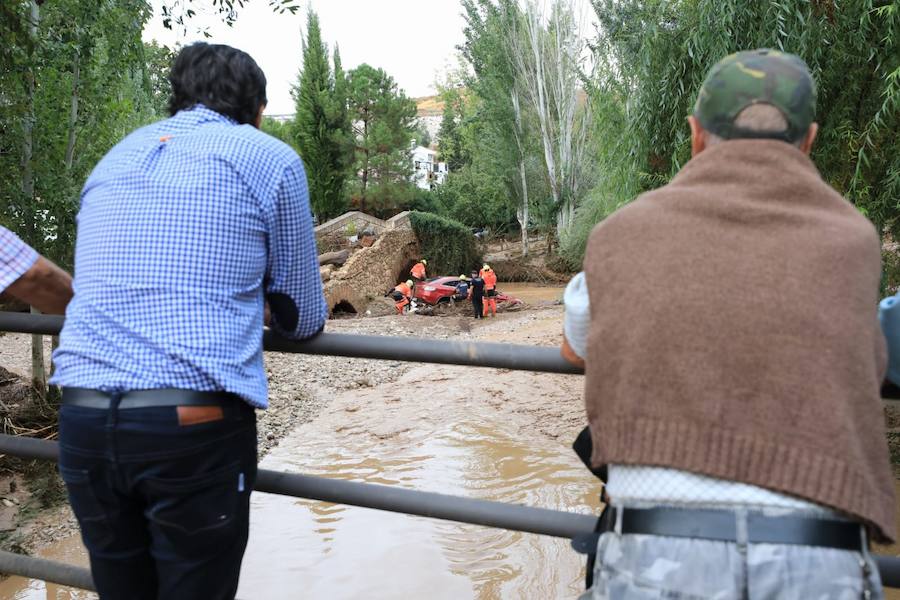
<point>652,56</point>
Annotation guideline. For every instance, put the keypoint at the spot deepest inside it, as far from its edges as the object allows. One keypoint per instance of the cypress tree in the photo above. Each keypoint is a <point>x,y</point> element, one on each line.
<point>341,138</point>
<point>313,124</point>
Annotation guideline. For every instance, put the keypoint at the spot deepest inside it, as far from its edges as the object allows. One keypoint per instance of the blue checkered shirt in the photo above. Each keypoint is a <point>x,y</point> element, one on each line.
<point>183,226</point>
<point>16,257</point>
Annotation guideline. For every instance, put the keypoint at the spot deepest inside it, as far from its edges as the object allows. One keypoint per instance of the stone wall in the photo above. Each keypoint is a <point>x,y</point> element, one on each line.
<point>399,221</point>
<point>360,222</point>
<point>371,271</point>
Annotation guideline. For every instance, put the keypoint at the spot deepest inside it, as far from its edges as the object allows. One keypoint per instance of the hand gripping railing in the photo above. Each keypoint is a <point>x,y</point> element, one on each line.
<point>427,504</point>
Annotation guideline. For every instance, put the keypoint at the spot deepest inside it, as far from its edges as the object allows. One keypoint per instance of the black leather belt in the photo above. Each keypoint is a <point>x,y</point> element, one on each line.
<point>721,525</point>
<point>146,398</point>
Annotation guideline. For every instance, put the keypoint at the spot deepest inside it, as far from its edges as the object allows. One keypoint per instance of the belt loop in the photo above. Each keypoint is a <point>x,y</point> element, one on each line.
<point>866,563</point>
<point>112,420</point>
<point>740,528</point>
<point>620,512</point>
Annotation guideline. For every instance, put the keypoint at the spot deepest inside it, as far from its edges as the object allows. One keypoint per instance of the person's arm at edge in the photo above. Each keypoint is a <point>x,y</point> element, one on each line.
<point>293,284</point>
<point>576,320</point>
<point>44,286</point>
<point>569,354</point>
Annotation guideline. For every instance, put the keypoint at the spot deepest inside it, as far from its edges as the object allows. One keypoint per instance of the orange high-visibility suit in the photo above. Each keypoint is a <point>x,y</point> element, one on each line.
<point>490,291</point>
<point>406,292</point>
<point>418,271</point>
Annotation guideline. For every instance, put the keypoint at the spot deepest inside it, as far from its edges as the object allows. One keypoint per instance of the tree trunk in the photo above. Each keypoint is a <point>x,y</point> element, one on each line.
<point>522,214</point>
<point>365,174</point>
<point>38,373</point>
<point>334,258</point>
<point>519,132</point>
<point>73,113</point>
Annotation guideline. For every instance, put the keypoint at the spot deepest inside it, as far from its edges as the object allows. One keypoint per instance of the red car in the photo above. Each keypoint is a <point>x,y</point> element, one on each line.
<point>441,289</point>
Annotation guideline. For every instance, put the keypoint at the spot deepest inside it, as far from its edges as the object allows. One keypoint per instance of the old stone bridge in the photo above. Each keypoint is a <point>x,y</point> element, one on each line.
<point>371,271</point>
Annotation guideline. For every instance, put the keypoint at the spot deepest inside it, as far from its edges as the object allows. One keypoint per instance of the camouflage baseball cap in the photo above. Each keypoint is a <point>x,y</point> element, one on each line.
<point>757,77</point>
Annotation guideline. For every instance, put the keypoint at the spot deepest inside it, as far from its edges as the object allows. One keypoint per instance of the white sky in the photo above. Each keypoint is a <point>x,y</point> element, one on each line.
<point>412,40</point>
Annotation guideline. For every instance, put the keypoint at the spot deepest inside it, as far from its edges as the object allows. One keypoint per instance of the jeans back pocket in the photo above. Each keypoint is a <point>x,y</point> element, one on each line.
<point>195,511</point>
<point>85,488</point>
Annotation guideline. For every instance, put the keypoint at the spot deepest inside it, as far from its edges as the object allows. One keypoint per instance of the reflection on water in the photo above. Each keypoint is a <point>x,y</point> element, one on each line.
<point>69,551</point>
<point>301,548</point>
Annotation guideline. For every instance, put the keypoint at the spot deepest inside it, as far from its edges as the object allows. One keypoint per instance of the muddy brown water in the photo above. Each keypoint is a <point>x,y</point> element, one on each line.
<point>532,294</point>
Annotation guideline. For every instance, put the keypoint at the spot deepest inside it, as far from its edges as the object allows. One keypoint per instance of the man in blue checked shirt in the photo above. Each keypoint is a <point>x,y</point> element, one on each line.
<point>185,227</point>
<point>31,278</point>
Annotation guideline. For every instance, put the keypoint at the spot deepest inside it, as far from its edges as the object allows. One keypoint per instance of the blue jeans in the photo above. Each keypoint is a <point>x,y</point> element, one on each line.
<point>163,508</point>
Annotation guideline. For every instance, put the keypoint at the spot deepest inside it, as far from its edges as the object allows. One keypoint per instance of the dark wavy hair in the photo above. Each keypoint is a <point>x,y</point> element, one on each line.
<point>219,77</point>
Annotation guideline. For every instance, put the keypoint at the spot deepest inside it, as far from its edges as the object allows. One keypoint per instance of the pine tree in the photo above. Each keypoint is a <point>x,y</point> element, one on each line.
<point>384,126</point>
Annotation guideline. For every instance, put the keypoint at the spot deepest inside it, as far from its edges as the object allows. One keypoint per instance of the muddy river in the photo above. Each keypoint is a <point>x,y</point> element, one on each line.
<point>482,433</point>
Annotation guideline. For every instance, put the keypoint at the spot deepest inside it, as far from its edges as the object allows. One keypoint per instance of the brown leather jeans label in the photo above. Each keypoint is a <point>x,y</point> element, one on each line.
<point>194,415</point>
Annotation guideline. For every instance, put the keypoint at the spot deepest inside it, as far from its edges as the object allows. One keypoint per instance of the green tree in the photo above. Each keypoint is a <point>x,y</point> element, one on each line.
<point>450,143</point>
<point>384,127</point>
<point>71,67</point>
<point>321,123</point>
<point>423,138</point>
<point>503,124</point>
<point>157,61</point>
<point>651,58</point>
<point>280,130</point>
<point>341,132</point>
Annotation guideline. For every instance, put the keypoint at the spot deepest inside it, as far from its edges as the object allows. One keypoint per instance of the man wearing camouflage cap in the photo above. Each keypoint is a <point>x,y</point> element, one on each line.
<point>727,323</point>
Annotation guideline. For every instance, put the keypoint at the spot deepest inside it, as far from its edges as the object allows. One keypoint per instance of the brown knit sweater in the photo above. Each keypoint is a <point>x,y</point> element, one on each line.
<point>734,332</point>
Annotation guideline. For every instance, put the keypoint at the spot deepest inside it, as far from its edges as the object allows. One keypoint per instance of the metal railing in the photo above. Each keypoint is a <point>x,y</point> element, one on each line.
<point>381,497</point>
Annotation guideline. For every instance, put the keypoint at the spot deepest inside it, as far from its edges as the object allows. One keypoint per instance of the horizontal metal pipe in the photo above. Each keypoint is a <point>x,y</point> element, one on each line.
<point>529,519</point>
<point>473,354</point>
<point>46,570</point>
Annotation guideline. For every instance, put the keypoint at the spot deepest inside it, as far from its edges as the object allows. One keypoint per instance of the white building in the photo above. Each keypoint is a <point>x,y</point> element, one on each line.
<point>427,171</point>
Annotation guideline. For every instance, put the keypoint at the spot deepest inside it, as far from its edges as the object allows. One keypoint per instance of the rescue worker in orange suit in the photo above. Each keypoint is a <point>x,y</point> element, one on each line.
<point>418,270</point>
<point>401,295</point>
<point>490,290</point>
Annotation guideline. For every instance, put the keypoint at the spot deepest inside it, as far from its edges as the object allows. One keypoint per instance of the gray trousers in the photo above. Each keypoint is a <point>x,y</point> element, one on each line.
<point>648,566</point>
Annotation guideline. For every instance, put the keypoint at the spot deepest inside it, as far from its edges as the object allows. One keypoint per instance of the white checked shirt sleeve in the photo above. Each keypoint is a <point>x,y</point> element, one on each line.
<point>293,282</point>
<point>578,314</point>
<point>16,257</point>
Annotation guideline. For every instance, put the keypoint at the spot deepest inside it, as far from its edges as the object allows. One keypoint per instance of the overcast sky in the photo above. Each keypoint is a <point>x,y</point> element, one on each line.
<point>412,40</point>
